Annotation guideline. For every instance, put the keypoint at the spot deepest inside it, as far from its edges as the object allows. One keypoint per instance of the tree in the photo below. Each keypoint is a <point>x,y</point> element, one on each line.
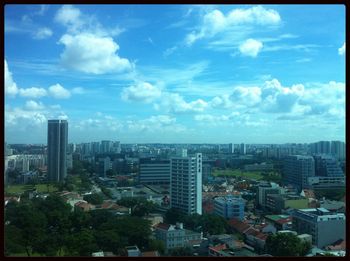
<point>181,251</point>
<point>157,245</point>
<point>32,225</point>
<point>95,199</point>
<point>173,215</point>
<point>82,243</point>
<point>286,244</point>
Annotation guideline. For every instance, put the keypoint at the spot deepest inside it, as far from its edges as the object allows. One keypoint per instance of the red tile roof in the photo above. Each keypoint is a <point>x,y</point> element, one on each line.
<point>163,226</point>
<point>238,225</point>
<point>218,247</point>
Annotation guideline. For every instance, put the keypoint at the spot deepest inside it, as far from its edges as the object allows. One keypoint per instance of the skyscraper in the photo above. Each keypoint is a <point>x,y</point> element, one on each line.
<point>186,184</point>
<point>57,143</point>
<point>231,148</point>
<point>242,149</point>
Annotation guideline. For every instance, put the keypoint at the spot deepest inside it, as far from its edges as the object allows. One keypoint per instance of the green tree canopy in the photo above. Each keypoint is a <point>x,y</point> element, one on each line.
<point>95,199</point>
<point>286,244</point>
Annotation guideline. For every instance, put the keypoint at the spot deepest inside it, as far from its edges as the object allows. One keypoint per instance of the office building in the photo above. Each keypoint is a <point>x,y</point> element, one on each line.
<point>180,152</point>
<point>297,170</point>
<point>186,183</point>
<point>57,143</point>
<point>153,171</point>
<point>95,147</point>
<point>327,166</point>
<point>338,150</point>
<point>231,206</point>
<point>324,226</point>
<point>265,188</point>
<point>278,202</point>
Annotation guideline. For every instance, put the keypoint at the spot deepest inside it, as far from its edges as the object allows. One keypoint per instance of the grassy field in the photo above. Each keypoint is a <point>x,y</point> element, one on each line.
<point>19,189</point>
<point>238,173</point>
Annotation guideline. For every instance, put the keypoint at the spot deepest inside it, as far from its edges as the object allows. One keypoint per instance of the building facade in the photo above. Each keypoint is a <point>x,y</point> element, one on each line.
<point>57,143</point>
<point>324,227</point>
<point>153,171</point>
<point>231,206</point>
<point>297,170</point>
<point>186,184</point>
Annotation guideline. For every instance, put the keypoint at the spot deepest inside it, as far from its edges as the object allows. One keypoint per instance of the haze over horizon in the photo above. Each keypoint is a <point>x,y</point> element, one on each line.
<point>255,74</point>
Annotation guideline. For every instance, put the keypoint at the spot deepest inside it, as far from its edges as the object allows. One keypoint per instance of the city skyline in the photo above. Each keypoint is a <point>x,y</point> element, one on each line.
<point>256,74</point>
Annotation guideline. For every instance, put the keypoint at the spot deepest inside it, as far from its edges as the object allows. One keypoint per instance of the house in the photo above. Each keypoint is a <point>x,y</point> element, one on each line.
<point>280,222</point>
<point>83,205</point>
<point>14,199</point>
<point>255,238</point>
<point>176,236</point>
<point>238,226</point>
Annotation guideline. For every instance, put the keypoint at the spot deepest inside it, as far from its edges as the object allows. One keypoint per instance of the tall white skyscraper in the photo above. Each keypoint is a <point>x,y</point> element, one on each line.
<point>186,184</point>
<point>57,144</point>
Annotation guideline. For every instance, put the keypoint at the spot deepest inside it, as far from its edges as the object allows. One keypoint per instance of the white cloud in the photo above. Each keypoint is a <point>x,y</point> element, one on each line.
<point>174,102</point>
<point>33,105</point>
<point>89,53</point>
<point>249,96</point>
<point>33,92</point>
<point>142,91</point>
<point>43,33</point>
<point>70,17</point>
<point>214,21</point>
<point>10,86</point>
<point>58,92</point>
<point>341,50</point>
<point>251,47</point>
<point>78,90</point>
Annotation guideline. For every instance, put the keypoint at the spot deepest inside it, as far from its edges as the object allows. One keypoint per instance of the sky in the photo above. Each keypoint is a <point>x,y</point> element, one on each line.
<point>176,73</point>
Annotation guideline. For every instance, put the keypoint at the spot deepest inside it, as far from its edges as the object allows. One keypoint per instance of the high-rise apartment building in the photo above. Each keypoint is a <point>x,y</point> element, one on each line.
<point>242,149</point>
<point>338,149</point>
<point>186,183</point>
<point>57,143</point>
<point>321,147</point>
<point>231,148</point>
<point>297,170</point>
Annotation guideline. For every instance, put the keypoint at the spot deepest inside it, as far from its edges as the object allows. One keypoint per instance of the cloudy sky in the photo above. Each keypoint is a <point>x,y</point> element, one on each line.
<point>176,73</point>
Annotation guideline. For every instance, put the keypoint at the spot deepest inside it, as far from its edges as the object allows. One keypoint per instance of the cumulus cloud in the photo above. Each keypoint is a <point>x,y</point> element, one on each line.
<point>33,105</point>
<point>10,86</point>
<point>42,33</point>
<point>250,47</point>
<point>90,53</point>
<point>249,96</point>
<point>57,91</point>
<point>174,102</point>
<point>214,21</point>
<point>33,92</point>
<point>341,50</point>
<point>70,17</point>
<point>142,91</point>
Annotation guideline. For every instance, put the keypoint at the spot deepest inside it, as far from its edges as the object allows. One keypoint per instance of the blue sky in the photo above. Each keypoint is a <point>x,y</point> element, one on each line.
<point>176,73</point>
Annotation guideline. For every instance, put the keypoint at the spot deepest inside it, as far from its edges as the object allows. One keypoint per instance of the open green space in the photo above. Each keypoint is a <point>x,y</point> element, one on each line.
<point>238,173</point>
<point>19,189</point>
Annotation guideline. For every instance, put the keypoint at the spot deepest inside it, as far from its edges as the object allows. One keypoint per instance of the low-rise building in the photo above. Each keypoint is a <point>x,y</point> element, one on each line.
<point>280,222</point>
<point>278,202</point>
<point>231,206</point>
<point>175,236</point>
